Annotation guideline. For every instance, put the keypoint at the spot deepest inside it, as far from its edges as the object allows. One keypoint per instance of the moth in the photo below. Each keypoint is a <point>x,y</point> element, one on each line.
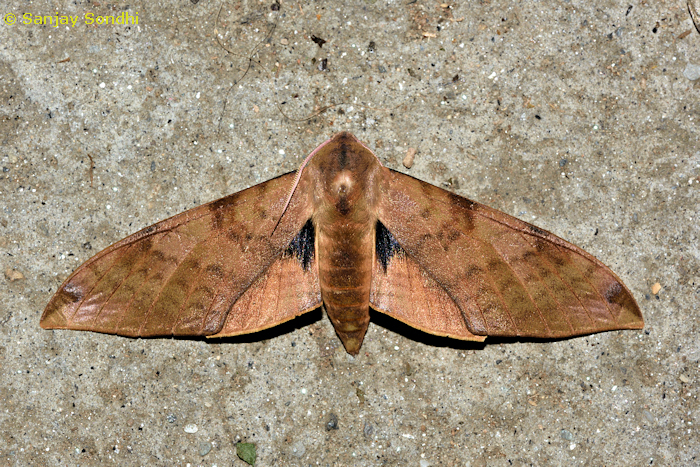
<point>346,232</point>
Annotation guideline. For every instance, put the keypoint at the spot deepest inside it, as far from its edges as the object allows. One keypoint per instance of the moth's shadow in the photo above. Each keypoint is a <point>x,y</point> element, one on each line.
<point>276,331</point>
<point>380,319</point>
<point>394,325</point>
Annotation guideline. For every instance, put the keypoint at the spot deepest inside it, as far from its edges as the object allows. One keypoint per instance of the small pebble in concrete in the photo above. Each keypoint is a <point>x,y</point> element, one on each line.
<point>692,72</point>
<point>566,434</point>
<point>298,449</point>
<point>204,449</point>
<point>191,428</point>
<point>368,429</point>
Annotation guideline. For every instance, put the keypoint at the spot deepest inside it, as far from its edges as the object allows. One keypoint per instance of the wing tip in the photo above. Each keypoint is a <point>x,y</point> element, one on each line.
<point>52,318</point>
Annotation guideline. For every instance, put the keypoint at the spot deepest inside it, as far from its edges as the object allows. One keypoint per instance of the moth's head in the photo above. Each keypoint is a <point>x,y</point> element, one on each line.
<point>346,171</point>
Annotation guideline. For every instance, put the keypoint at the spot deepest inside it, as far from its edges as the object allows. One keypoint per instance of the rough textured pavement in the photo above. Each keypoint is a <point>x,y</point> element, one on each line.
<point>580,117</point>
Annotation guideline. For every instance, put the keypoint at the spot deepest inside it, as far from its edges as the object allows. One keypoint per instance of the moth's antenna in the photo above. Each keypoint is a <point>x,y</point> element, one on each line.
<point>294,187</point>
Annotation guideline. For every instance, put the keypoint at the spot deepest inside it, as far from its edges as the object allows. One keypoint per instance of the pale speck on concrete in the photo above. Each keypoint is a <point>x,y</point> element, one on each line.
<point>692,71</point>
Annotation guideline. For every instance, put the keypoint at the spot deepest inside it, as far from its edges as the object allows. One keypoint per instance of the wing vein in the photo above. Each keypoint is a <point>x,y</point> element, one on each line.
<point>539,312</point>
<point>82,300</point>
<point>549,290</point>
<point>568,286</point>
<point>141,259</point>
<point>143,284</point>
<point>165,282</point>
<point>471,296</point>
<point>176,321</point>
<point>605,302</point>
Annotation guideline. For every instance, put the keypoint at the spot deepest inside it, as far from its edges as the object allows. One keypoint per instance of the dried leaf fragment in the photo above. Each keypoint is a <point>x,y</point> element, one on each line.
<point>246,452</point>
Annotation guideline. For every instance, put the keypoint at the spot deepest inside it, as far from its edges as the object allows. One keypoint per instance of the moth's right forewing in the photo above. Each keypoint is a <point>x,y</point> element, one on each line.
<point>507,277</point>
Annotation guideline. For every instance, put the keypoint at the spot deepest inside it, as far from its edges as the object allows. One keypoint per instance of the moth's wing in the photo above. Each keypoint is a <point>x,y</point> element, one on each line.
<point>405,291</point>
<point>505,277</point>
<point>286,290</point>
<point>199,272</point>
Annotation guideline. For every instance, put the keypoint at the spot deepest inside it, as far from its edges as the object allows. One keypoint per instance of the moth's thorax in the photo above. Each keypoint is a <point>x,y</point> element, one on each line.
<point>347,174</point>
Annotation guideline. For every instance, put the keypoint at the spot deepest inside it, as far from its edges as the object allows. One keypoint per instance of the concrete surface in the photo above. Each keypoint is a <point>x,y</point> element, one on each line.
<point>577,116</point>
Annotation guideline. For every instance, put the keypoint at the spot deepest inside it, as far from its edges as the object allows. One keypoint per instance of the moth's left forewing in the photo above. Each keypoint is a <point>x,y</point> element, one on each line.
<point>184,276</point>
<point>505,276</point>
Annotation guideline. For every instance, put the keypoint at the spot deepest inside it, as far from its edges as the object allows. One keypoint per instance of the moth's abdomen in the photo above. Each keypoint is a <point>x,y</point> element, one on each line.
<point>345,277</point>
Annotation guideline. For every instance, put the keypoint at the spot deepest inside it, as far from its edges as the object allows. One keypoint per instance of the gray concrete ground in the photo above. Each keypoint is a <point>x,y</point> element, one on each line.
<point>580,117</point>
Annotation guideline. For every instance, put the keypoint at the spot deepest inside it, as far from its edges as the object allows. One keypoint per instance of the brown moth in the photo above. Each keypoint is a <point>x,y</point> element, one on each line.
<point>348,233</point>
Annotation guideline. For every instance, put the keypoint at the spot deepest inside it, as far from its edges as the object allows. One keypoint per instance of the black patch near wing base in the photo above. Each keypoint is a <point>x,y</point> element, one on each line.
<point>302,246</point>
<point>386,245</point>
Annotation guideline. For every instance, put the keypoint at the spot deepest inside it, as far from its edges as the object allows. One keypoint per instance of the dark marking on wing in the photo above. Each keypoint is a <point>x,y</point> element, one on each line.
<point>233,235</point>
<point>537,230</point>
<point>527,257</point>
<point>72,293</point>
<point>262,188</point>
<point>422,240</point>
<point>467,208</point>
<point>472,271</point>
<point>386,245</point>
<point>217,220</point>
<point>461,202</point>
<point>144,245</point>
<point>229,200</point>
<point>612,295</point>
<point>158,255</point>
<point>493,265</point>
<point>540,245</point>
<point>453,235</point>
<point>215,270</point>
<point>302,246</point>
